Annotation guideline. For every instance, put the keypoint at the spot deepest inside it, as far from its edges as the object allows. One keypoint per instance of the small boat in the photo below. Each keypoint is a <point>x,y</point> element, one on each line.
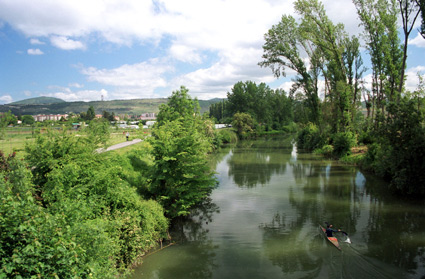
<point>332,240</point>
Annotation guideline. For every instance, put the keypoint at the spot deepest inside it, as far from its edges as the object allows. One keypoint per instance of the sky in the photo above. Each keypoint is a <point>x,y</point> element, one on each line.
<point>89,50</point>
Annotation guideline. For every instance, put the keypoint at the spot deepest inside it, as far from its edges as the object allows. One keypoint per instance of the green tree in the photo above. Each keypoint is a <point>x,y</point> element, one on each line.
<point>379,19</point>
<point>281,53</point>
<point>108,116</point>
<point>98,132</point>
<point>243,123</point>
<point>181,177</point>
<point>51,150</point>
<point>219,110</point>
<point>6,118</point>
<point>180,105</point>
<point>402,149</point>
<point>90,113</point>
<point>409,11</point>
<point>28,120</point>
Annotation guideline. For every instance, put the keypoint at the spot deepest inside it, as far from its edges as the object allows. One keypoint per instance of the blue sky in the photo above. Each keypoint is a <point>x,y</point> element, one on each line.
<point>83,50</point>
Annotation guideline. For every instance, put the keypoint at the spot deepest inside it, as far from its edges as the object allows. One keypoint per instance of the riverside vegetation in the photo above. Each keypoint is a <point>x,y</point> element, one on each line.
<point>69,212</point>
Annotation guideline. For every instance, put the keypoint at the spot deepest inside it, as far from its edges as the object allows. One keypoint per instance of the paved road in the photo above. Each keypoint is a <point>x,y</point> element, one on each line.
<point>119,145</point>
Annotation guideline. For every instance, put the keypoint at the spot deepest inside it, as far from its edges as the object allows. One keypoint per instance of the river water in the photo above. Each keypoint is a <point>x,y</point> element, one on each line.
<point>263,220</point>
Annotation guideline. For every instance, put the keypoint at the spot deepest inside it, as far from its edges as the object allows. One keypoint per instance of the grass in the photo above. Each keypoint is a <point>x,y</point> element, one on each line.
<point>16,138</point>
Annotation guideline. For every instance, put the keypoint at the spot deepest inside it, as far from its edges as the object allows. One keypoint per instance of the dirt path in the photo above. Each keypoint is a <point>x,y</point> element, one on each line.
<point>119,145</point>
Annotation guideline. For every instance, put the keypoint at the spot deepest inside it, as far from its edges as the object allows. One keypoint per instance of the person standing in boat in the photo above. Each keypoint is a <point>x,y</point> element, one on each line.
<point>330,231</point>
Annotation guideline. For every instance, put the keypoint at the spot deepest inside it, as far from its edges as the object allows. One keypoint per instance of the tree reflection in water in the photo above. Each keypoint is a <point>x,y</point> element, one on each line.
<point>287,247</point>
<point>193,232</point>
<point>255,162</point>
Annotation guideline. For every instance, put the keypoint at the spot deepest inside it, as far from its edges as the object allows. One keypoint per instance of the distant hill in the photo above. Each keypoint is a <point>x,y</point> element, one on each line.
<point>131,107</point>
<point>39,101</point>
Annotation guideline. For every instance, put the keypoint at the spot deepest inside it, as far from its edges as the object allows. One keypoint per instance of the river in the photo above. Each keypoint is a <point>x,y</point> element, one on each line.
<point>263,220</point>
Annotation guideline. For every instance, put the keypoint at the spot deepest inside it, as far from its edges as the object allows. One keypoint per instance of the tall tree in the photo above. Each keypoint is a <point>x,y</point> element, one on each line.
<point>90,113</point>
<point>181,178</point>
<point>281,53</point>
<point>379,19</point>
<point>180,105</point>
<point>421,4</point>
<point>409,11</point>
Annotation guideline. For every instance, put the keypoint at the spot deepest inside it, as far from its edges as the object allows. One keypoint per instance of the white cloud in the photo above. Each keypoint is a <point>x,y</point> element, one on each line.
<point>221,40</point>
<point>185,54</point>
<point>34,41</point>
<point>27,93</point>
<point>35,51</point>
<point>76,85</point>
<point>412,80</point>
<point>239,64</point>
<point>132,81</point>
<point>418,41</point>
<point>65,43</point>
<point>5,99</point>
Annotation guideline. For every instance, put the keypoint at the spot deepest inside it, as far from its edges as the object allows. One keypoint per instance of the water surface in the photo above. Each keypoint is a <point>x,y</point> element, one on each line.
<point>263,222</point>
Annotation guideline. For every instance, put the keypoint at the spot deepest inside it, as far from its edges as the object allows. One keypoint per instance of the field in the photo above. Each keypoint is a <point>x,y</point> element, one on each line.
<point>16,138</point>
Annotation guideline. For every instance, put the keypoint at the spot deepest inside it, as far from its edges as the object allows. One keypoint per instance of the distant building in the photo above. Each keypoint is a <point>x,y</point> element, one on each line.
<point>53,117</point>
<point>148,116</point>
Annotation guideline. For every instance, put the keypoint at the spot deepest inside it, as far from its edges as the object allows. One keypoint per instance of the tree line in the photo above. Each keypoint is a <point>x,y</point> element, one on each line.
<point>330,99</point>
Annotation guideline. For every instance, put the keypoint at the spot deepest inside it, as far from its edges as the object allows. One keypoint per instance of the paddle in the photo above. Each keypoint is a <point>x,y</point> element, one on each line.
<point>346,234</point>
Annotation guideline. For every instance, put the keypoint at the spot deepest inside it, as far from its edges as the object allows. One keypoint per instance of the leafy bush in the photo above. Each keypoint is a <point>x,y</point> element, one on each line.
<point>226,136</point>
<point>82,220</point>
<point>365,137</point>
<point>402,140</point>
<point>244,124</point>
<point>326,150</point>
<point>310,138</point>
<point>342,143</point>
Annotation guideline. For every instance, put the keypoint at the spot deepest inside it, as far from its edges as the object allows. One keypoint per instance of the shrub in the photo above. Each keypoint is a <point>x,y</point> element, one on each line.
<point>365,137</point>
<point>326,150</point>
<point>223,136</point>
<point>310,138</point>
<point>343,142</point>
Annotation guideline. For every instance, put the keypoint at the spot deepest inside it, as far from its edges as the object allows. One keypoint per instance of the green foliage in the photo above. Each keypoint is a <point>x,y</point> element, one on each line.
<point>98,132</point>
<point>244,124</point>
<point>327,150</point>
<point>270,108</point>
<point>219,112</point>
<point>108,115</point>
<point>36,243</point>
<point>89,115</point>
<point>310,138</point>
<point>181,177</point>
<point>402,140</point>
<point>6,119</point>
<point>226,136</point>
<point>180,105</point>
<point>90,220</point>
<point>343,142</point>
<point>365,137</point>
<point>53,149</point>
<point>28,120</point>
